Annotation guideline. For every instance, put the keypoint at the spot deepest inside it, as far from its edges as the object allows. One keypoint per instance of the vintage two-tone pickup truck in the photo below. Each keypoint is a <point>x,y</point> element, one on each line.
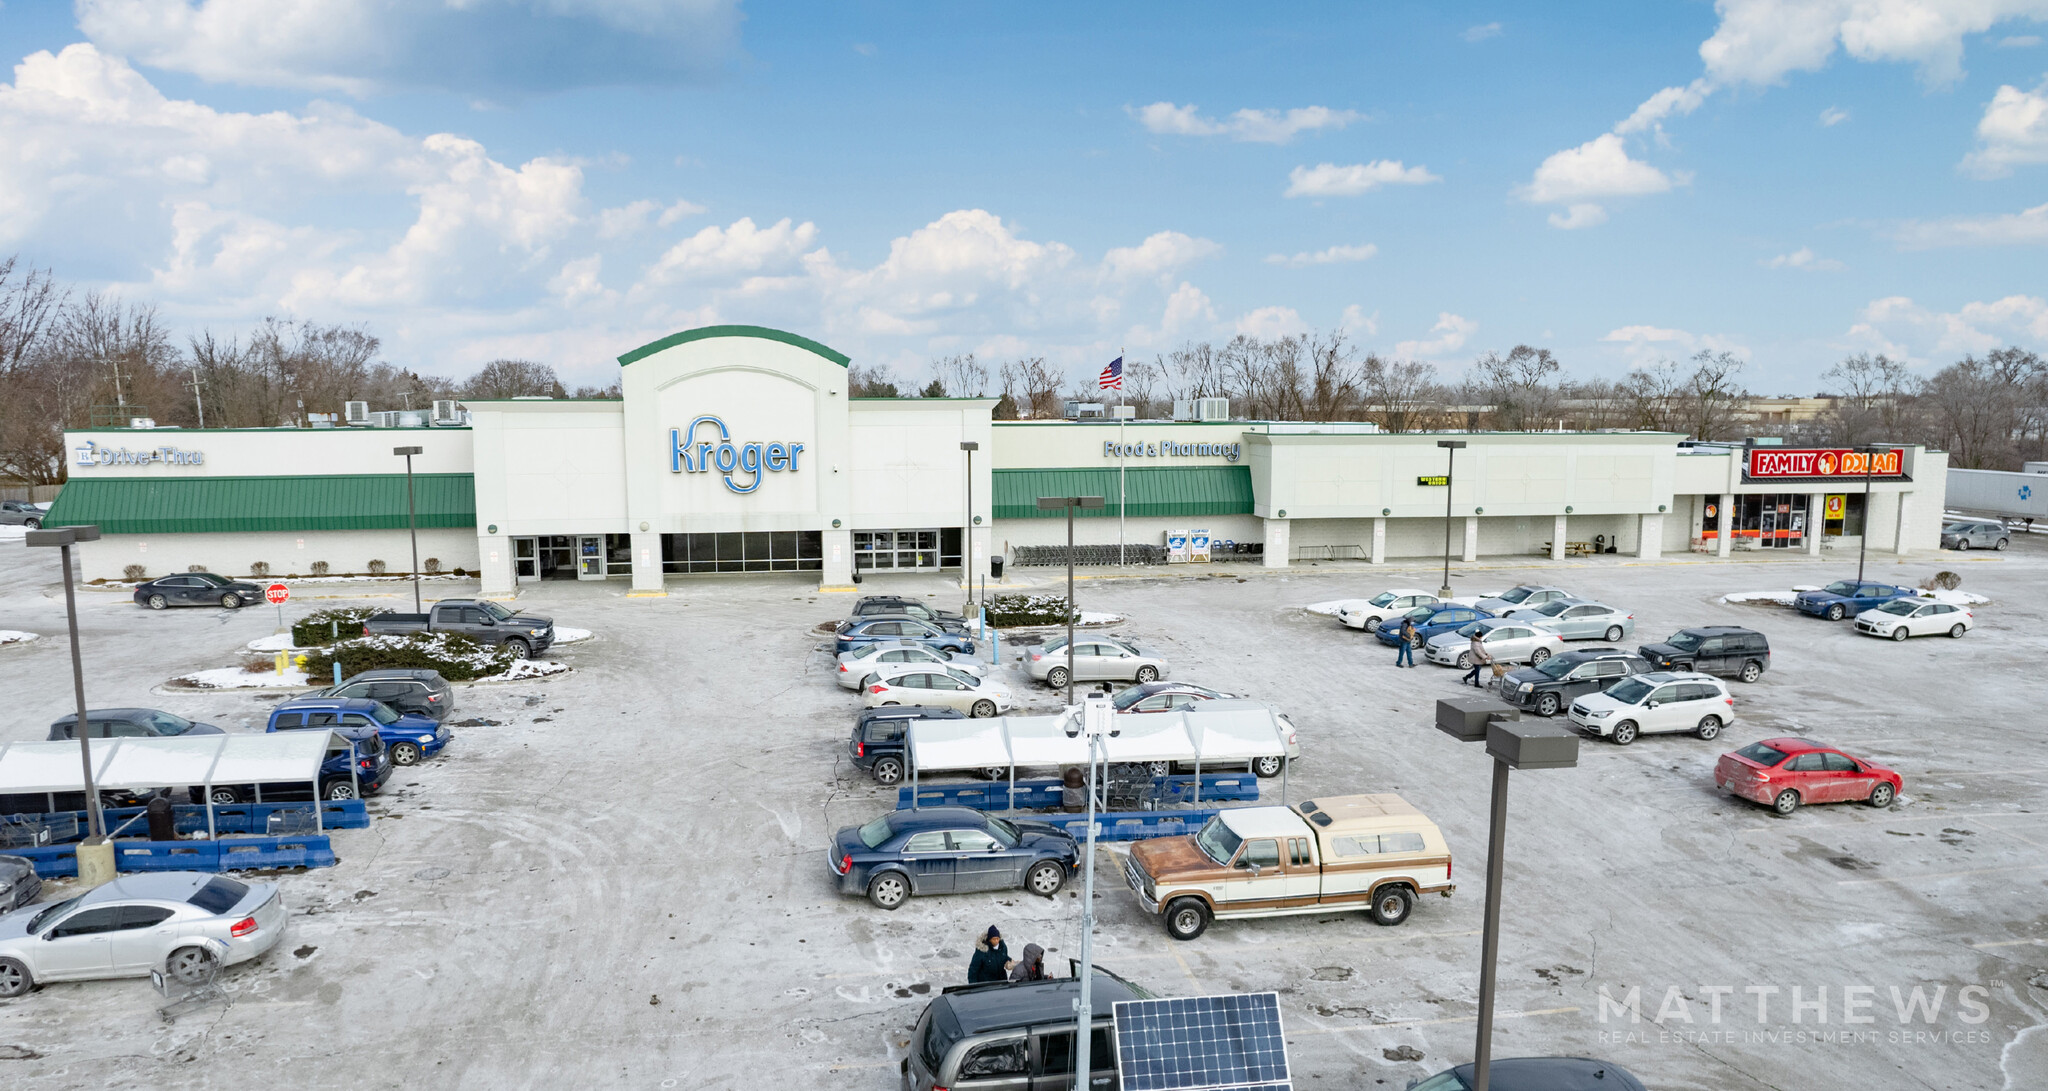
<point>1369,852</point>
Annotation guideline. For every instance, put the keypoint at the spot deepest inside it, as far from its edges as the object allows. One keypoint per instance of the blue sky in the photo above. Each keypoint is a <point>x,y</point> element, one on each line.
<point>565,179</point>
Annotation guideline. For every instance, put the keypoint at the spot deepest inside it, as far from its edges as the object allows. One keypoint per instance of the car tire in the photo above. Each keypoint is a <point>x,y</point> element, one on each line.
<point>2001,543</point>
<point>982,709</point>
<point>158,602</point>
<point>995,772</point>
<point>14,979</point>
<point>1957,630</point>
<point>1837,612</point>
<point>1899,633</point>
<point>1882,795</point>
<point>1185,918</point>
<point>1148,674</point>
<point>520,649</point>
<point>1962,545</point>
<point>889,890</point>
<point>1709,726</point>
<point>191,965</point>
<point>1159,768</point>
<point>1372,625</point>
<point>888,770</point>
<point>405,753</point>
<point>338,789</point>
<point>1614,634</point>
<point>37,524</point>
<point>1268,767</point>
<point>1538,656</point>
<point>1391,905</point>
<point>224,796</point>
<point>1056,678</point>
<point>1624,733</point>
<point>1464,661</point>
<point>1045,878</point>
<point>1751,671</point>
<point>231,601</point>
<point>1547,705</point>
<point>1786,803</point>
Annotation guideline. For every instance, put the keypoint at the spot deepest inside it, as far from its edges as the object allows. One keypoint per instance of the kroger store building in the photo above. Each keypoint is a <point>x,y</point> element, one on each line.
<point>735,449</point>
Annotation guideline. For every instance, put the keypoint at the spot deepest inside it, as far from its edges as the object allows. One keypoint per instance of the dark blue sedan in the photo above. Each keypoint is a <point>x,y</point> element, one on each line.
<point>861,632</point>
<point>1847,598</point>
<point>1429,621</point>
<point>950,850</point>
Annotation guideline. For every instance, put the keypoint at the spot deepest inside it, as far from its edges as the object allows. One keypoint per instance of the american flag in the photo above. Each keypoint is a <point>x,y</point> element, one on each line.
<point>1112,377</point>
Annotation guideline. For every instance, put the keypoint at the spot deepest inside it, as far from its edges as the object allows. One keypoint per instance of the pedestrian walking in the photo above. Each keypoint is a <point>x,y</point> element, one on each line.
<point>1032,966</point>
<point>1480,660</point>
<point>1405,656</point>
<point>991,961</point>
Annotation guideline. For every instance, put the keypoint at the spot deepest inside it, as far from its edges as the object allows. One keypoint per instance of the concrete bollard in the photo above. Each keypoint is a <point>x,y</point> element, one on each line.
<point>95,862</point>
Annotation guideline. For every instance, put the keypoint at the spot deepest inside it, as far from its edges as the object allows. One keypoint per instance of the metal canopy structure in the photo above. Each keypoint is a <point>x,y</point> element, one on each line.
<point>1220,731</point>
<point>1231,1042</point>
<point>285,757</point>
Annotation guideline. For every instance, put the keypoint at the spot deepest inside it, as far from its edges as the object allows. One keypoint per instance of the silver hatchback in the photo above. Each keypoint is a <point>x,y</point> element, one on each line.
<point>1974,534</point>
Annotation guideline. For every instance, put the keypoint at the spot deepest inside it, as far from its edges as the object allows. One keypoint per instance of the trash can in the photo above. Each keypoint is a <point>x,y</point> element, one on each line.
<point>995,567</point>
<point>163,825</point>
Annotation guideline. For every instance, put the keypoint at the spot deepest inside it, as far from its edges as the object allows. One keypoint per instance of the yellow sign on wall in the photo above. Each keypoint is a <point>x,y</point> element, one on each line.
<point>1834,505</point>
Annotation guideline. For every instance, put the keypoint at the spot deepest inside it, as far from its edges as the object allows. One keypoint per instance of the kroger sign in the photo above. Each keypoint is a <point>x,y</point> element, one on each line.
<point>706,445</point>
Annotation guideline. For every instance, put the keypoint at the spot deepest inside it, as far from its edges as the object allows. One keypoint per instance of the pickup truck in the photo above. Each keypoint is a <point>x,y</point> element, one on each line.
<point>1370,852</point>
<point>478,619</point>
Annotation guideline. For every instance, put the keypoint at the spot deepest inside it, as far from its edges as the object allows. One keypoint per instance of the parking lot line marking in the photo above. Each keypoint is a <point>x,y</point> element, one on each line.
<point>1405,1023</point>
<point>2013,943</point>
<point>1941,875</point>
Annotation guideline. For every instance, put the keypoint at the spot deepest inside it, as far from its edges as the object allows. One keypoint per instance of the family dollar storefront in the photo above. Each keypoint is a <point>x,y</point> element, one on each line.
<point>1768,497</point>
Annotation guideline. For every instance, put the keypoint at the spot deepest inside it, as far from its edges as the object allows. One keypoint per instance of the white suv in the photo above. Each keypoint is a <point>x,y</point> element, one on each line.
<point>1654,703</point>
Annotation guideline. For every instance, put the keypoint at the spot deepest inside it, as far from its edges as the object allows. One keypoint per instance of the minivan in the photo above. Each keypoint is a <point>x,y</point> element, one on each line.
<point>1016,1036</point>
<point>1727,650</point>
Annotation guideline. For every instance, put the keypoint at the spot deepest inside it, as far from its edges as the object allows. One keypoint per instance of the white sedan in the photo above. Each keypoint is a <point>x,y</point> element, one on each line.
<point>861,662</point>
<point>1507,640</point>
<point>1368,613</point>
<point>914,684</point>
<point>186,924</point>
<point>1915,616</point>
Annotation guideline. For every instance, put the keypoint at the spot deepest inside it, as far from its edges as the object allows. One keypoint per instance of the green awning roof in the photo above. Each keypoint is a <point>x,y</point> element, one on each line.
<point>207,505</point>
<point>1148,491</point>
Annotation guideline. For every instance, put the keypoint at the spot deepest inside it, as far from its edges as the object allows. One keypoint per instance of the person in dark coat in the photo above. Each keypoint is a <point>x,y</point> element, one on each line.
<point>991,961</point>
<point>1404,654</point>
<point>1032,966</point>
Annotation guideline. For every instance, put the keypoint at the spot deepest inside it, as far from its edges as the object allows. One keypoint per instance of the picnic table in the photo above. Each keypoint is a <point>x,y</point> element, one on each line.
<point>1574,549</point>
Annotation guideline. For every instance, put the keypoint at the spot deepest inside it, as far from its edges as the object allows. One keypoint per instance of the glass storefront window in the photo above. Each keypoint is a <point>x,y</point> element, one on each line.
<point>752,551</point>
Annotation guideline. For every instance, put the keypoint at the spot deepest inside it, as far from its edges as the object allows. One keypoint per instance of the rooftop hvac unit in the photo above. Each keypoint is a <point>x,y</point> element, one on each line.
<point>384,419</point>
<point>1079,410</point>
<point>1212,408</point>
<point>1124,412</point>
<point>447,411</point>
<point>357,413</point>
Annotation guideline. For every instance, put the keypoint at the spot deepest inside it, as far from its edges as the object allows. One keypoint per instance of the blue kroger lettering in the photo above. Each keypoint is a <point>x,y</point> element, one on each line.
<point>688,454</point>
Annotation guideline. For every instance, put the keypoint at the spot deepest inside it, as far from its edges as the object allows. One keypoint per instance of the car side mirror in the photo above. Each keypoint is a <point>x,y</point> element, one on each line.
<point>490,621</point>
<point>1651,704</point>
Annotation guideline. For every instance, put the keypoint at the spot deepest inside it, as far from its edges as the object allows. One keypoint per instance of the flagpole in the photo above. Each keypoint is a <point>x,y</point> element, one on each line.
<point>1120,456</point>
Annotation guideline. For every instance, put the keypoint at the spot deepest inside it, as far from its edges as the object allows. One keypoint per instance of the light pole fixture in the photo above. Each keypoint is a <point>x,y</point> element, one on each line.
<point>63,538</point>
<point>412,521</point>
<point>1096,718</point>
<point>1513,745</point>
<point>1055,503</point>
<point>1870,453</point>
<point>968,447</point>
<point>1451,447</point>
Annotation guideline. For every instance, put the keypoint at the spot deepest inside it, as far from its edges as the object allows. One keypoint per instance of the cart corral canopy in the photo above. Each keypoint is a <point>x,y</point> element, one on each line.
<point>283,757</point>
<point>1219,731</point>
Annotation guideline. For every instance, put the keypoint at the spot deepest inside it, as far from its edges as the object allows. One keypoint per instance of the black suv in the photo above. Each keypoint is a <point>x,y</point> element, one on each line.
<point>1730,651</point>
<point>1549,687</point>
<point>1015,1034</point>
<point>877,743</point>
<point>898,606</point>
<point>419,691</point>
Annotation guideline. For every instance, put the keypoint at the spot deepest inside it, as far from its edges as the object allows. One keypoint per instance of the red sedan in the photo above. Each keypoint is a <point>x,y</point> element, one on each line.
<point>1784,773</point>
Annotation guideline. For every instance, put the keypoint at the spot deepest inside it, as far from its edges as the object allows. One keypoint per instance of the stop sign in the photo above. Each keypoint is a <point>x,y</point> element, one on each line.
<point>276,593</point>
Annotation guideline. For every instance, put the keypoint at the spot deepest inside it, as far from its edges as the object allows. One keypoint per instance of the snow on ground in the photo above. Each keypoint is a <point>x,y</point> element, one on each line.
<point>528,668</point>
<point>1782,598</point>
<point>15,636</point>
<point>566,635</point>
<point>1954,598</point>
<point>237,678</point>
<point>13,532</point>
<point>280,642</point>
<point>1327,609</point>
<point>1092,617</point>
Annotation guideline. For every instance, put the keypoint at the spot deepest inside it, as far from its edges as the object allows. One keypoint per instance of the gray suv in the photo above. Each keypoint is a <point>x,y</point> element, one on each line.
<point>1974,534</point>
<point>1015,1035</point>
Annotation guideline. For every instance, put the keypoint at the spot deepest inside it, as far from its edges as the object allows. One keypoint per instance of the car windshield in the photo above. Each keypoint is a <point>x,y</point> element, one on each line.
<point>1684,641</point>
<point>1055,644</point>
<point>874,833</point>
<point>497,612</point>
<point>1631,690</point>
<point>966,679</point>
<point>1003,831</point>
<point>1557,666</point>
<point>1553,608</point>
<point>1128,698</point>
<point>1217,842</point>
<point>167,724</point>
<point>51,912</point>
<point>218,895</point>
<point>1900,607</point>
<point>1761,754</point>
<point>383,713</point>
<point>1381,599</point>
<point>1518,594</point>
<point>1841,587</point>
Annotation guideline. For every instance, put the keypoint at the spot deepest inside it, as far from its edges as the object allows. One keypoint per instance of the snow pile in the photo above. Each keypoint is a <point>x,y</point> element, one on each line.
<point>1091,617</point>
<point>1780,598</point>
<point>282,642</point>
<point>237,678</point>
<point>1953,598</point>
<point>1327,609</point>
<point>528,668</point>
<point>566,635</point>
<point>15,636</point>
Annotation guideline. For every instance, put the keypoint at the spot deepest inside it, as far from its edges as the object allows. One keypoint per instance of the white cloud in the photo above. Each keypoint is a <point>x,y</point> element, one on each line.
<point>1451,333</point>
<point>1481,32</point>
<point>1762,41</point>
<point>1663,104</point>
<point>1583,214</point>
<point>1642,343</point>
<point>1833,116</point>
<point>1355,320</point>
<point>1254,126</point>
<point>2012,132</point>
<point>2027,228</point>
<point>631,218</point>
<point>2019,41</point>
<point>1803,259</point>
<point>1159,255</point>
<point>1186,309</point>
<point>1331,256</point>
<point>578,280</point>
<point>493,47</point>
<point>723,252</point>
<point>1271,322</point>
<point>1905,328</point>
<point>1331,180</point>
<point>1600,167</point>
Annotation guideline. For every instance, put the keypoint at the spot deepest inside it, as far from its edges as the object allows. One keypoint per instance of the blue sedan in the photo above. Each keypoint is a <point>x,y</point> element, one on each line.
<point>1429,621</point>
<point>950,850</point>
<point>861,632</point>
<point>1847,598</point>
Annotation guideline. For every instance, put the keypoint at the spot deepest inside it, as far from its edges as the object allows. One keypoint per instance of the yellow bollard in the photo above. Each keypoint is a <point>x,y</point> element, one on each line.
<point>282,659</point>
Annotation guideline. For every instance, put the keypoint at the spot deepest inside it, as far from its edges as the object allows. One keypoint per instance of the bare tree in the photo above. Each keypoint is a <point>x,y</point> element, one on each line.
<point>960,376</point>
<point>1522,386</point>
<point>1397,393</point>
<point>1870,396</point>
<point>1711,396</point>
<point>871,381</point>
<point>502,379</point>
<point>1652,394</point>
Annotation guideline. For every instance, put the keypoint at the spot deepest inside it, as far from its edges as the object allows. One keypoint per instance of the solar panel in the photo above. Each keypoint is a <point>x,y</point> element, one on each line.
<point>1231,1042</point>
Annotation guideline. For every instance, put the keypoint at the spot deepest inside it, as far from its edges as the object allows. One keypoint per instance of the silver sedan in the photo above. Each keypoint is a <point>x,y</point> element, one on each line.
<point>1096,659</point>
<point>187,924</point>
<point>861,662</point>
<point>1578,619</point>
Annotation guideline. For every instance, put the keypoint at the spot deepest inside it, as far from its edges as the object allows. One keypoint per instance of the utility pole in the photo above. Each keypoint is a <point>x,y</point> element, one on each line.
<point>197,403</point>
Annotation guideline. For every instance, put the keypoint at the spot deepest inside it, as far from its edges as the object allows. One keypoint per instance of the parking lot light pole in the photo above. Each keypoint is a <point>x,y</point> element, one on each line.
<point>1513,745</point>
<point>1096,719</point>
<point>62,538</point>
<point>412,521</point>
<point>1863,540</point>
<point>1055,503</point>
<point>968,447</point>
<point>1450,447</point>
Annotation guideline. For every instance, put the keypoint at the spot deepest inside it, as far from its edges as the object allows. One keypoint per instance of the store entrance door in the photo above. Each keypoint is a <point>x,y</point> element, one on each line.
<point>557,557</point>
<point>525,559</point>
<point>590,556</point>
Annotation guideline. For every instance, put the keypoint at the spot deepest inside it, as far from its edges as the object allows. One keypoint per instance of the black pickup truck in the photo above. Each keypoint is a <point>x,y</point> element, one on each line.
<point>478,619</point>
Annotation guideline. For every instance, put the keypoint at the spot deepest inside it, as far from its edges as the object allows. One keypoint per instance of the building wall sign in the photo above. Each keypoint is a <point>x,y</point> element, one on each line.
<point>92,454</point>
<point>1773,462</point>
<point>694,450</point>
<point>1228,452</point>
